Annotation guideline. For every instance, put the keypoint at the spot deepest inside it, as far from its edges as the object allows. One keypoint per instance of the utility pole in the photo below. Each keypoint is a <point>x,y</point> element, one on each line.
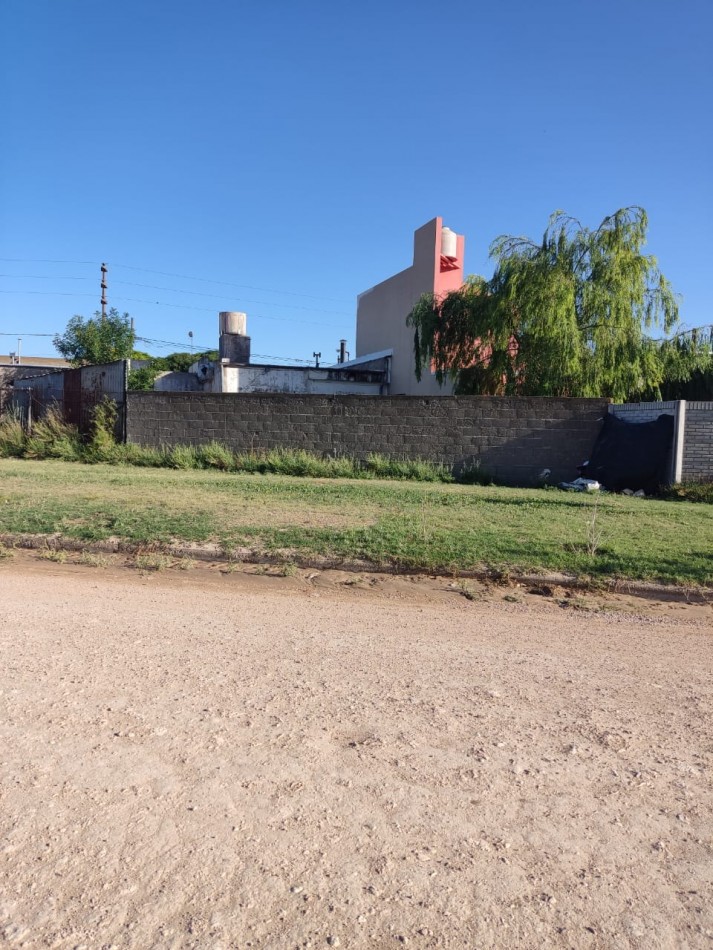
<point>317,357</point>
<point>103,286</point>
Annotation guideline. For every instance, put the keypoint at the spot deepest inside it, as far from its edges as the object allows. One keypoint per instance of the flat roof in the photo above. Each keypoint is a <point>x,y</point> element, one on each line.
<point>35,361</point>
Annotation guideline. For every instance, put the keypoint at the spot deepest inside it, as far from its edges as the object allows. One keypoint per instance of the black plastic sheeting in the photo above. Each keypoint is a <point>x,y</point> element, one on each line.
<point>631,454</point>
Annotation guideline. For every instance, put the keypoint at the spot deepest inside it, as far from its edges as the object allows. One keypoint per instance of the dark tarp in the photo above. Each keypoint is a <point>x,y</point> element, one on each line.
<point>631,454</point>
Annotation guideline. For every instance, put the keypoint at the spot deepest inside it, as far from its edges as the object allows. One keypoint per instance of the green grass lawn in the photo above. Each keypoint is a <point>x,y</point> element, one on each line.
<point>430,526</point>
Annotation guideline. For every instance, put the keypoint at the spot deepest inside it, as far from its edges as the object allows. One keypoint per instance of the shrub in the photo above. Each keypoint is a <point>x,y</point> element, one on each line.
<point>381,466</point>
<point>182,456</point>
<point>103,427</point>
<point>215,455</point>
<point>12,436</point>
<point>53,438</point>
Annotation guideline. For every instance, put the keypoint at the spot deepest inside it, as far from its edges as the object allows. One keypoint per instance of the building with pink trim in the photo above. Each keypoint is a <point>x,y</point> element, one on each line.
<point>437,268</point>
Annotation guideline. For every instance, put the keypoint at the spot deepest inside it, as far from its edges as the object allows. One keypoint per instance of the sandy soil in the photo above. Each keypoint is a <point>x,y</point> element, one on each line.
<point>196,759</point>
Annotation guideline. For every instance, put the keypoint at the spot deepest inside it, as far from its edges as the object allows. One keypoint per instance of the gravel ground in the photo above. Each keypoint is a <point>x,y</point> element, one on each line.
<point>205,760</point>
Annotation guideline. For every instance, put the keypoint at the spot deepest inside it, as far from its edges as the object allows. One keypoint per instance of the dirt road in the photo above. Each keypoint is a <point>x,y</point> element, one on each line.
<point>215,761</point>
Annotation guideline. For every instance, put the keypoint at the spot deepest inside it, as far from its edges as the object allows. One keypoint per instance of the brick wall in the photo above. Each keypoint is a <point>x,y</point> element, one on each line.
<point>698,442</point>
<point>512,438</point>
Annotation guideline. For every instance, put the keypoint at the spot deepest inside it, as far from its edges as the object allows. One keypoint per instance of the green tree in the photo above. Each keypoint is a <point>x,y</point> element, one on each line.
<point>96,339</point>
<point>145,376</point>
<point>572,315</point>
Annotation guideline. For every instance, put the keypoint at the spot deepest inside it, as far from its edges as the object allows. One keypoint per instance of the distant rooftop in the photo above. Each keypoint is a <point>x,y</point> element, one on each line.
<point>34,361</point>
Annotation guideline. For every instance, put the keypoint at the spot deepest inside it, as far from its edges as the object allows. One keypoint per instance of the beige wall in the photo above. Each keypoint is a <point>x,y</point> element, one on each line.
<point>382,311</point>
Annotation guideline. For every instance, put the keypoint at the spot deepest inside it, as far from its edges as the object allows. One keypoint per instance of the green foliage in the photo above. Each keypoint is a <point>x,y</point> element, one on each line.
<point>96,339</point>
<point>144,377</point>
<point>181,362</point>
<point>53,438</point>
<point>12,436</point>
<point>697,385</point>
<point>102,438</point>
<point>568,316</point>
<point>215,455</point>
<point>182,456</point>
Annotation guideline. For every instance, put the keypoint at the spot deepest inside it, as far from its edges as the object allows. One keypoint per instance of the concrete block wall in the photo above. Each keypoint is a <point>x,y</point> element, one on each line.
<point>513,439</point>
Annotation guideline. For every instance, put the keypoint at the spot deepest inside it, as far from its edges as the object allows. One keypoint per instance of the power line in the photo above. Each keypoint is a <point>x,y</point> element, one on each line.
<point>47,293</point>
<point>174,290</point>
<point>253,316</point>
<point>175,306</point>
<point>42,260</point>
<point>225,283</point>
<point>42,277</point>
<point>200,293</point>
<point>146,270</point>
<point>205,349</point>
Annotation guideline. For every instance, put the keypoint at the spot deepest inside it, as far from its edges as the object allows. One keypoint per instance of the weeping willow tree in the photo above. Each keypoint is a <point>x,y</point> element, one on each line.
<point>574,315</point>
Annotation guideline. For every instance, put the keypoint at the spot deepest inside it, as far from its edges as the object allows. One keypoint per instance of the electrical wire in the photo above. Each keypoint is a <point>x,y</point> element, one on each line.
<point>172,290</point>
<point>176,306</point>
<point>206,349</point>
<point>47,293</point>
<point>42,277</point>
<point>146,270</point>
<point>200,293</point>
<point>44,260</point>
<point>225,283</point>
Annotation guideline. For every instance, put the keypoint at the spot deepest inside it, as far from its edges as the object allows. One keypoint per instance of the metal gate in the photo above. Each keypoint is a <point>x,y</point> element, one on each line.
<point>72,397</point>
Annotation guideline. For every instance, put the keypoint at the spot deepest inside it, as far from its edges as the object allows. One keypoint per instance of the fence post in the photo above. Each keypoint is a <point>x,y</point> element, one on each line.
<point>124,408</point>
<point>679,440</point>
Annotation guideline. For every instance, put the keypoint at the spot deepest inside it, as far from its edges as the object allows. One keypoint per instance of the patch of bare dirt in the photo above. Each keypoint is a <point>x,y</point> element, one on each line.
<point>250,756</point>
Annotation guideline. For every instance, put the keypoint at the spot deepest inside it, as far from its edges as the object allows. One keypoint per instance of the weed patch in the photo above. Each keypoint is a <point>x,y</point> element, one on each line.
<point>152,562</point>
<point>90,559</point>
<point>53,554</point>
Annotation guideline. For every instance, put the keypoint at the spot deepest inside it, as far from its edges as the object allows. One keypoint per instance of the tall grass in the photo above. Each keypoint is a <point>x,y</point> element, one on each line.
<point>53,438</point>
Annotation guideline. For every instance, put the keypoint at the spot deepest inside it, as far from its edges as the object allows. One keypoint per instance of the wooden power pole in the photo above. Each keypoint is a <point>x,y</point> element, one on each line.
<point>103,286</point>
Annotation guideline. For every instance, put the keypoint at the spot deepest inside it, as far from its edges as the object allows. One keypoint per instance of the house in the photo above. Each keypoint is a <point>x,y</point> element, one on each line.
<point>234,372</point>
<point>384,364</point>
<point>12,368</point>
<point>437,268</point>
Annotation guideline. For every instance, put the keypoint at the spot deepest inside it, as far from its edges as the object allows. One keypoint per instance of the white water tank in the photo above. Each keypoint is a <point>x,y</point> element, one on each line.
<point>449,243</point>
<point>232,321</point>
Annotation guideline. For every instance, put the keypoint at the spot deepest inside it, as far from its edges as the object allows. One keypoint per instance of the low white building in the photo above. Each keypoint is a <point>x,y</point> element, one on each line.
<point>234,373</point>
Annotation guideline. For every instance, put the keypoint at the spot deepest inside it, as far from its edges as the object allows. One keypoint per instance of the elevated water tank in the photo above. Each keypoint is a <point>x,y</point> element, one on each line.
<point>449,243</point>
<point>232,321</point>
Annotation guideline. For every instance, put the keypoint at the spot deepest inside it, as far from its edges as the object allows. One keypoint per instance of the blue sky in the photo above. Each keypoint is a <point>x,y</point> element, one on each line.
<point>290,149</point>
